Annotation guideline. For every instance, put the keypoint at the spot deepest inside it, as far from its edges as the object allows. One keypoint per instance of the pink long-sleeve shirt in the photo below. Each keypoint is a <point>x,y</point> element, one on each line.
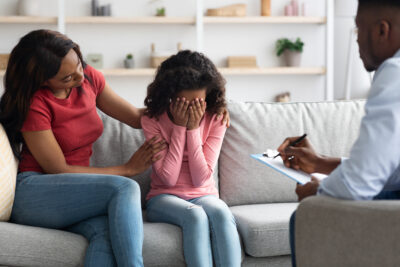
<point>186,166</point>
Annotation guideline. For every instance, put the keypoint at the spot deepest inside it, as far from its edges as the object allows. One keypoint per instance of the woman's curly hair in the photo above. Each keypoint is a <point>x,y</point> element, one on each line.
<point>186,70</point>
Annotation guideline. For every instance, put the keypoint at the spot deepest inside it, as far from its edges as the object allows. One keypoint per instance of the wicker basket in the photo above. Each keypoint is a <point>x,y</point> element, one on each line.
<point>238,10</point>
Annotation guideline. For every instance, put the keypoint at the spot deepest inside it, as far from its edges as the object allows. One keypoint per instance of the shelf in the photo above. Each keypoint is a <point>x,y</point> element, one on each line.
<point>267,20</point>
<point>226,71</point>
<point>27,19</point>
<point>165,20</point>
<point>130,20</point>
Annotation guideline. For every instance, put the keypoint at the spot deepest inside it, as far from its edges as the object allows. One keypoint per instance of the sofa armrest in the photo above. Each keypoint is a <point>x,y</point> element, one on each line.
<point>332,232</point>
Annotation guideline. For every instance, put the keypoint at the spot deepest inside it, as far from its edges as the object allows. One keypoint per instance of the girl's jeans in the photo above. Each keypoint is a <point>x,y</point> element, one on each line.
<point>105,209</point>
<point>198,217</point>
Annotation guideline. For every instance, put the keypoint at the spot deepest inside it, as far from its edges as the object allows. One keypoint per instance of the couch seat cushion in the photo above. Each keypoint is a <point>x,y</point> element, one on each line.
<point>162,245</point>
<point>264,228</point>
<point>33,246</point>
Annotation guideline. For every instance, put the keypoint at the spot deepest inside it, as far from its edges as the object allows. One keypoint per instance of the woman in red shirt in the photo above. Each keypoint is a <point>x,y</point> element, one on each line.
<point>49,107</point>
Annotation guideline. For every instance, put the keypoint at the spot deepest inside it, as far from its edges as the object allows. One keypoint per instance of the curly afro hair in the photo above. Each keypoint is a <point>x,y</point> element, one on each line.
<point>187,70</point>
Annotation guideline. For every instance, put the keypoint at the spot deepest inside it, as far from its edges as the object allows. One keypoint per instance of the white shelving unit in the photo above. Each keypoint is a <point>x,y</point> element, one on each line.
<point>199,22</point>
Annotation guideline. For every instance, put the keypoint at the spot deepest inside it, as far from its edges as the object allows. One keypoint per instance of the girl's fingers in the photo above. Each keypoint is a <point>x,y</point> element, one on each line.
<point>182,103</point>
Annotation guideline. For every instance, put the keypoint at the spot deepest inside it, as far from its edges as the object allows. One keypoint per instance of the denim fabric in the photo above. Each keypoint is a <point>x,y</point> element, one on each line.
<point>198,218</point>
<point>104,208</point>
<point>382,195</point>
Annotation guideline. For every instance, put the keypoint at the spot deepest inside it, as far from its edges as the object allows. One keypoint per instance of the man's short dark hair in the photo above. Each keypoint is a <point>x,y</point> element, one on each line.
<point>377,3</point>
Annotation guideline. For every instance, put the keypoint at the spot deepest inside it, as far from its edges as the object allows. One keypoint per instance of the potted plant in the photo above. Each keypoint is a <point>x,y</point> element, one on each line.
<point>128,61</point>
<point>291,51</point>
<point>160,12</point>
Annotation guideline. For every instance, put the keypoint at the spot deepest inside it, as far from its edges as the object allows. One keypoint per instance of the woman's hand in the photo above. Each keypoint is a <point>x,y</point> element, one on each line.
<point>179,111</point>
<point>226,119</point>
<point>145,156</point>
<point>197,109</point>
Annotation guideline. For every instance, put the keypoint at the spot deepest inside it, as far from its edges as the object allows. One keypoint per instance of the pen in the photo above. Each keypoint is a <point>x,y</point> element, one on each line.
<point>298,140</point>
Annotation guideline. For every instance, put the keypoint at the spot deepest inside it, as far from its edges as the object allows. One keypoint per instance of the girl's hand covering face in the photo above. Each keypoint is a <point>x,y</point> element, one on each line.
<point>179,111</point>
<point>197,109</point>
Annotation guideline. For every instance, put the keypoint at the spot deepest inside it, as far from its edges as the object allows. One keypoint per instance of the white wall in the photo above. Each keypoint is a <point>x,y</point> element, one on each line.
<point>345,12</point>
<point>221,40</point>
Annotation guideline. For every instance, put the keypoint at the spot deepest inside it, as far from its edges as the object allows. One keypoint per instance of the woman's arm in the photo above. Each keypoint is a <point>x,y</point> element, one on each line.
<point>118,108</point>
<point>203,158</point>
<point>47,152</point>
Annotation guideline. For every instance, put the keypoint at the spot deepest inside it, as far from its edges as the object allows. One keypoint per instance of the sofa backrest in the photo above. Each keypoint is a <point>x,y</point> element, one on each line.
<point>332,128</point>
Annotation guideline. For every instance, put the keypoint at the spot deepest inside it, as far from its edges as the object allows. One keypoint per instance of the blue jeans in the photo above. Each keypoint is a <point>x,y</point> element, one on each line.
<point>382,195</point>
<point>105,209</point>
<point>198,217</point>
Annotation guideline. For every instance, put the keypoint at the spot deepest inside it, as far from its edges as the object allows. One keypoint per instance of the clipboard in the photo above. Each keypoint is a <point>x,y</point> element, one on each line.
<point>277,164</point>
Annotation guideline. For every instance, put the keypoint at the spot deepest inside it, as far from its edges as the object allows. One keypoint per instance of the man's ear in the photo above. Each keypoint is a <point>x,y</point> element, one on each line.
<point>384,29</point>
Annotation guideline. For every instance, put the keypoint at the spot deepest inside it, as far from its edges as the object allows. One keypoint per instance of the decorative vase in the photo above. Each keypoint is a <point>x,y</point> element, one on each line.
<point>31,7</point>
<point>265,7</point>
<point>129,63</point>
<point>292,58</point>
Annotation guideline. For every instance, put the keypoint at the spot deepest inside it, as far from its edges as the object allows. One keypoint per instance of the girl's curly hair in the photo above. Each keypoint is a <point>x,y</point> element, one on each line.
<point>186,70</point>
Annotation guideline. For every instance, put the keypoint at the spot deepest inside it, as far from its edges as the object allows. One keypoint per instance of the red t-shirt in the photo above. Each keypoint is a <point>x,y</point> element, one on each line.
<point>74,121</point>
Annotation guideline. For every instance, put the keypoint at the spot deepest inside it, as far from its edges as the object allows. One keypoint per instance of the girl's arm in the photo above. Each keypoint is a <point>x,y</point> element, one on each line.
<point>47,152</point>
<point>169,166</point>
<point>118,108</point>
<point>203,158</point>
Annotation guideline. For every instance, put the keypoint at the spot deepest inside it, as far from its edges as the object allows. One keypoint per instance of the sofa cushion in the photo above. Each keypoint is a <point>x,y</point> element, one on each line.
<point>33,246</point>
<point>331,126</point>
<point>116,146</point>
<point>8,174</point>
<point>264,228</point>
<point>162,245</point>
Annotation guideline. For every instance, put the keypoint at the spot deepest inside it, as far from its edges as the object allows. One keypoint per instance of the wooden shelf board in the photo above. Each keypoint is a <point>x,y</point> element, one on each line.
<point>227,71</point>
<point>130,20</point>
<point>271,19</point>
<point>27,19</point>
<point>164,20</point>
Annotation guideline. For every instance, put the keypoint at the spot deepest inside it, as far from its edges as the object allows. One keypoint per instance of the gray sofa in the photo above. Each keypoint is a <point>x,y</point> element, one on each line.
<point>261,199</point>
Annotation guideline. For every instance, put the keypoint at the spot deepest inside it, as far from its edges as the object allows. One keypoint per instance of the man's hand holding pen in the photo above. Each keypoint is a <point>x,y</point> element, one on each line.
<point>298,153</point>
<point>301,155</point>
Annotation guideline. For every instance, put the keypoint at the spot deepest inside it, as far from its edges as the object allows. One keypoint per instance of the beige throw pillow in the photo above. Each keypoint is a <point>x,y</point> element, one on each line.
<point>8,174</point>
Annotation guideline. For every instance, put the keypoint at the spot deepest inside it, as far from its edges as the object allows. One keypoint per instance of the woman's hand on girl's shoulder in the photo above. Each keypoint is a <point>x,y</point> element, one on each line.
<point>226,118</point>
<point>142,159</point>
<point>197,109</point>
<point>179,111</point>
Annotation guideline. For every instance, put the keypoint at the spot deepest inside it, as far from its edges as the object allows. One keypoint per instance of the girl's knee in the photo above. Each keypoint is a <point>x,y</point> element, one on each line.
<point>196,215</point>
<point>221,215</point>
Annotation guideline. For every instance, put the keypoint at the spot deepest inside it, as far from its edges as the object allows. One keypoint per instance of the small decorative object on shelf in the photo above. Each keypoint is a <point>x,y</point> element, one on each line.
<point>238,10</point>
<point>95,5</point>
<point>97,10</point>
<point>295,9</point>
<point>160,12</point>
<point>284,97</point>
<point>291,51</point>
<point>158,57</point>
<point>265,7</point>
<point>4,61</point>
<point>95,60</point>
<point>242,62</point>
<point>31,7</point>
<point>128,62</point>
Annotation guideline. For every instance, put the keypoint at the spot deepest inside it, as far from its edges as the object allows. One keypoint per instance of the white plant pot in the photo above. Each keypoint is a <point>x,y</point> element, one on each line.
<point>292,58</point>
<point>32,7</point>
